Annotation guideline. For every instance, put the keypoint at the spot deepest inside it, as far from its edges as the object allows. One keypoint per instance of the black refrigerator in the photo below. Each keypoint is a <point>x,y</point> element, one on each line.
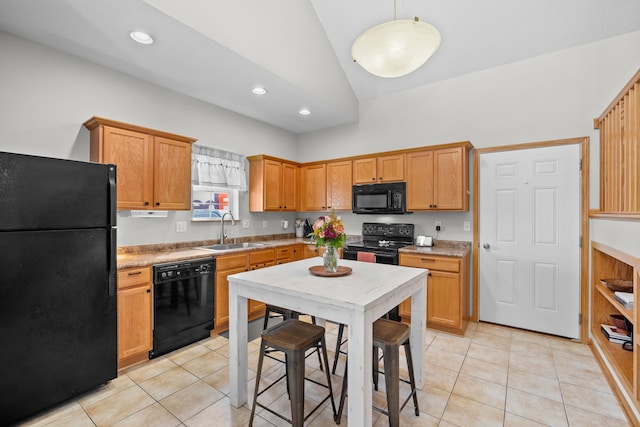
<point>58,312</point>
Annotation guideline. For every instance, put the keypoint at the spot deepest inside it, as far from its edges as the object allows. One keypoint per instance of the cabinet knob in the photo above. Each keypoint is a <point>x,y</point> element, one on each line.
<point>486,246</point>
<point>157,203</point>
<point>146,203</point>
<point>380,178</point>
<point>148,291</point>
<point>373,179</point>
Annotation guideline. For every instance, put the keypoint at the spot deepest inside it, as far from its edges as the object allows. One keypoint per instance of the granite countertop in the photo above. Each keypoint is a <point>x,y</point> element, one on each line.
<point>147,255</point>
<point>442,248</point>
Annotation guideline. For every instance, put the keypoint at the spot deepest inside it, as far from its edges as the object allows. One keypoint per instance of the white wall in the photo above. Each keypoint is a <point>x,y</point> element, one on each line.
<point>45,96</point>
<point>553,96</point>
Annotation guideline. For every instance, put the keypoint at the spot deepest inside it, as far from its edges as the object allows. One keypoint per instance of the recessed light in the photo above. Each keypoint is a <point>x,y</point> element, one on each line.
<point>141,37</point>
<point>259,90</point>
<point>304,112</point>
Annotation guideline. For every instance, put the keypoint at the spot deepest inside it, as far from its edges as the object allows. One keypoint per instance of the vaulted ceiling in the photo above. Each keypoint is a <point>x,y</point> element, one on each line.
<point>301,50</point>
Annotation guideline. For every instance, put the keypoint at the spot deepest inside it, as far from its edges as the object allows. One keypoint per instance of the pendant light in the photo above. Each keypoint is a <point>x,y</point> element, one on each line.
<point>395,48</point>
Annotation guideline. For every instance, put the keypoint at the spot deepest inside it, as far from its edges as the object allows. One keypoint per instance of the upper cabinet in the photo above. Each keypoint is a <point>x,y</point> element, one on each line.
<point>378,169</point>
<point>314,197</point>
<point>153,167</point>
<point>339,185</point>
<point>438,179</point>
<point>274,184</point>
<point>326,186</point>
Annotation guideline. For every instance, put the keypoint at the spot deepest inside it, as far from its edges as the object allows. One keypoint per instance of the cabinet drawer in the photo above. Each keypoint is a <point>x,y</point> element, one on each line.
<point>134,276</point>
<point>226,262</point>
<point>283,253</point>
<point>261,257</point>
<point>431,262</point>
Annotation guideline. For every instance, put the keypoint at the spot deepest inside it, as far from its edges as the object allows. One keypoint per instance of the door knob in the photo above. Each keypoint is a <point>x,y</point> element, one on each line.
<point>486,246</point>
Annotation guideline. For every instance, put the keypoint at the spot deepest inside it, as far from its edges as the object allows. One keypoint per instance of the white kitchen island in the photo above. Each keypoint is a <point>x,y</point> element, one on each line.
<point>356,300</point>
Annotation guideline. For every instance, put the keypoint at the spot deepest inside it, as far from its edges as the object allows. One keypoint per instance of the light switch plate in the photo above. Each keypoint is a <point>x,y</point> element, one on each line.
<point>466,226</point>
<point>246,223</point>
<point>265,224</point>
<point>181,227</point>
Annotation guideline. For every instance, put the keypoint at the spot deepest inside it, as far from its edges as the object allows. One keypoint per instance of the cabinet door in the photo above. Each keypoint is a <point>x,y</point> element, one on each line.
<point>311,251</point>
<point>272,185</point>
<point>339,185</point>
<point>297,252</point>
<point>443,299</point>
<point>172,174</point>
<point>390,168</point>
<point>364,171</point>
<point>222,295</point>
<point>290,186</point>
<point>134,321</point>
<point>314,187</point>
<point>420,180</point>
<point>132,153</point>
<point>450,179</point>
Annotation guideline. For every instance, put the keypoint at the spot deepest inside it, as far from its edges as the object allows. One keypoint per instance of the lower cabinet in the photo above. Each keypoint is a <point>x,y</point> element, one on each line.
<point>447,291</point>
<point>135,305</point>
<point>232,264</point>
<point>311,251</point>
<point>291,253</point>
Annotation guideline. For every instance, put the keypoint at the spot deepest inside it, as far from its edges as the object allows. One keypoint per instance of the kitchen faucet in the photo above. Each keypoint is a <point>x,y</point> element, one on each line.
<point>223,235</point>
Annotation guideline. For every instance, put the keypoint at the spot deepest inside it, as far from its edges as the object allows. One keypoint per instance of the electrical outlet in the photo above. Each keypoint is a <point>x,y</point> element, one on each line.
<point>466,226</point>
<point>438,223</point>
<point>246,223</point>
<point>265,223</point>
<point>181,227</point>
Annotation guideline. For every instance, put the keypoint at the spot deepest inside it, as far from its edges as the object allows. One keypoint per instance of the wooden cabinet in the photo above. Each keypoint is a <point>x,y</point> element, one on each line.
<point>153,167</point>
<point>610,263</point>
<point>326,186</point>
<point>378,169</point>
<point>232,264</point>
<point>339,185</point>
<point>314,197</point>
<point>290,253</point>
<point>311,251</point>
<point>135,330</point>
<point>274,184</point>
<point>438,179</point>
<point>447,291</point>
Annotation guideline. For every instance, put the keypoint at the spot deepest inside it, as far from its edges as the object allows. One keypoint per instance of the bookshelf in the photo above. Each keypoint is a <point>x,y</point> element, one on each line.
<point>611,263</point>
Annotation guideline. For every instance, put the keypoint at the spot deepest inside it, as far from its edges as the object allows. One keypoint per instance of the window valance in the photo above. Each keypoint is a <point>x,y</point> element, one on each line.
<point>218,168</point>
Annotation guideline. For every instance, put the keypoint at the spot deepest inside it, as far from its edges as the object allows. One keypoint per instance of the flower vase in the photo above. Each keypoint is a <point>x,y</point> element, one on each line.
<point>330,258</point>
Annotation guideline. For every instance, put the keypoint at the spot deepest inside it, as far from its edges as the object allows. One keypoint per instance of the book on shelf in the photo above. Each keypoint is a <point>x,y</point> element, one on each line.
<point>624,298</point>
<point>615,335</point>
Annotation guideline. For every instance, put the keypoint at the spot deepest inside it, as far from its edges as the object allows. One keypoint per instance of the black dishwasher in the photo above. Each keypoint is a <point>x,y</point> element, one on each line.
<point>183,298</point>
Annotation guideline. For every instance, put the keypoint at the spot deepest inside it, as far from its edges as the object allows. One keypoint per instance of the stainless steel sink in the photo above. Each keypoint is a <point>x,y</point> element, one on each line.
<point>227,246</point>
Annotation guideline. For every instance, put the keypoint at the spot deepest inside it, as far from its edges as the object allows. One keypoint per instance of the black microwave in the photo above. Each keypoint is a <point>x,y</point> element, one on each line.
<point>387,198</point>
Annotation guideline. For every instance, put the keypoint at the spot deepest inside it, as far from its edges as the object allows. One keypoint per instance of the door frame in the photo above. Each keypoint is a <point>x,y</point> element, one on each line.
<point>583,142</point>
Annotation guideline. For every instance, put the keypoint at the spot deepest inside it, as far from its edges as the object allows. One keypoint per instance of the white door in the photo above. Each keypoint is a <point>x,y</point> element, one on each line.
<point>529,234</point>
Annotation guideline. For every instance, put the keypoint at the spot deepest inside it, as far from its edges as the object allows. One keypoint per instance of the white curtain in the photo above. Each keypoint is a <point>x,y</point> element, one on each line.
<point>218,168</point>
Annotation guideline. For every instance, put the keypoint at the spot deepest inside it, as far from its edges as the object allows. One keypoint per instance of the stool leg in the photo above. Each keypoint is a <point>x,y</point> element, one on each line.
<point>295,379</point>
<point>374,364</point>
<point>326,364</point>
<point>338,346</point>
<point>343,395</point>
<point>392,381</point>
<point>267,313</point>
<point>412,380</point>
<point>263,348</point>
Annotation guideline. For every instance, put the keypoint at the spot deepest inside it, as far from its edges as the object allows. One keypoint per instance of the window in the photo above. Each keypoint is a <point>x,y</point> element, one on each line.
<point>209,203</point>
<point>216,177</point>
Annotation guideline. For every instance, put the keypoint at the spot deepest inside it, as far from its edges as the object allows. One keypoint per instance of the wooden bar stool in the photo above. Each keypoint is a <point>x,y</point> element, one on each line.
<point>388,335</point>
<point>294,338</point>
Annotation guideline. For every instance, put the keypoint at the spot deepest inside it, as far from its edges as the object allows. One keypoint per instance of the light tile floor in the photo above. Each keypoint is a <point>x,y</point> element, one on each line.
<point>493,375</point>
